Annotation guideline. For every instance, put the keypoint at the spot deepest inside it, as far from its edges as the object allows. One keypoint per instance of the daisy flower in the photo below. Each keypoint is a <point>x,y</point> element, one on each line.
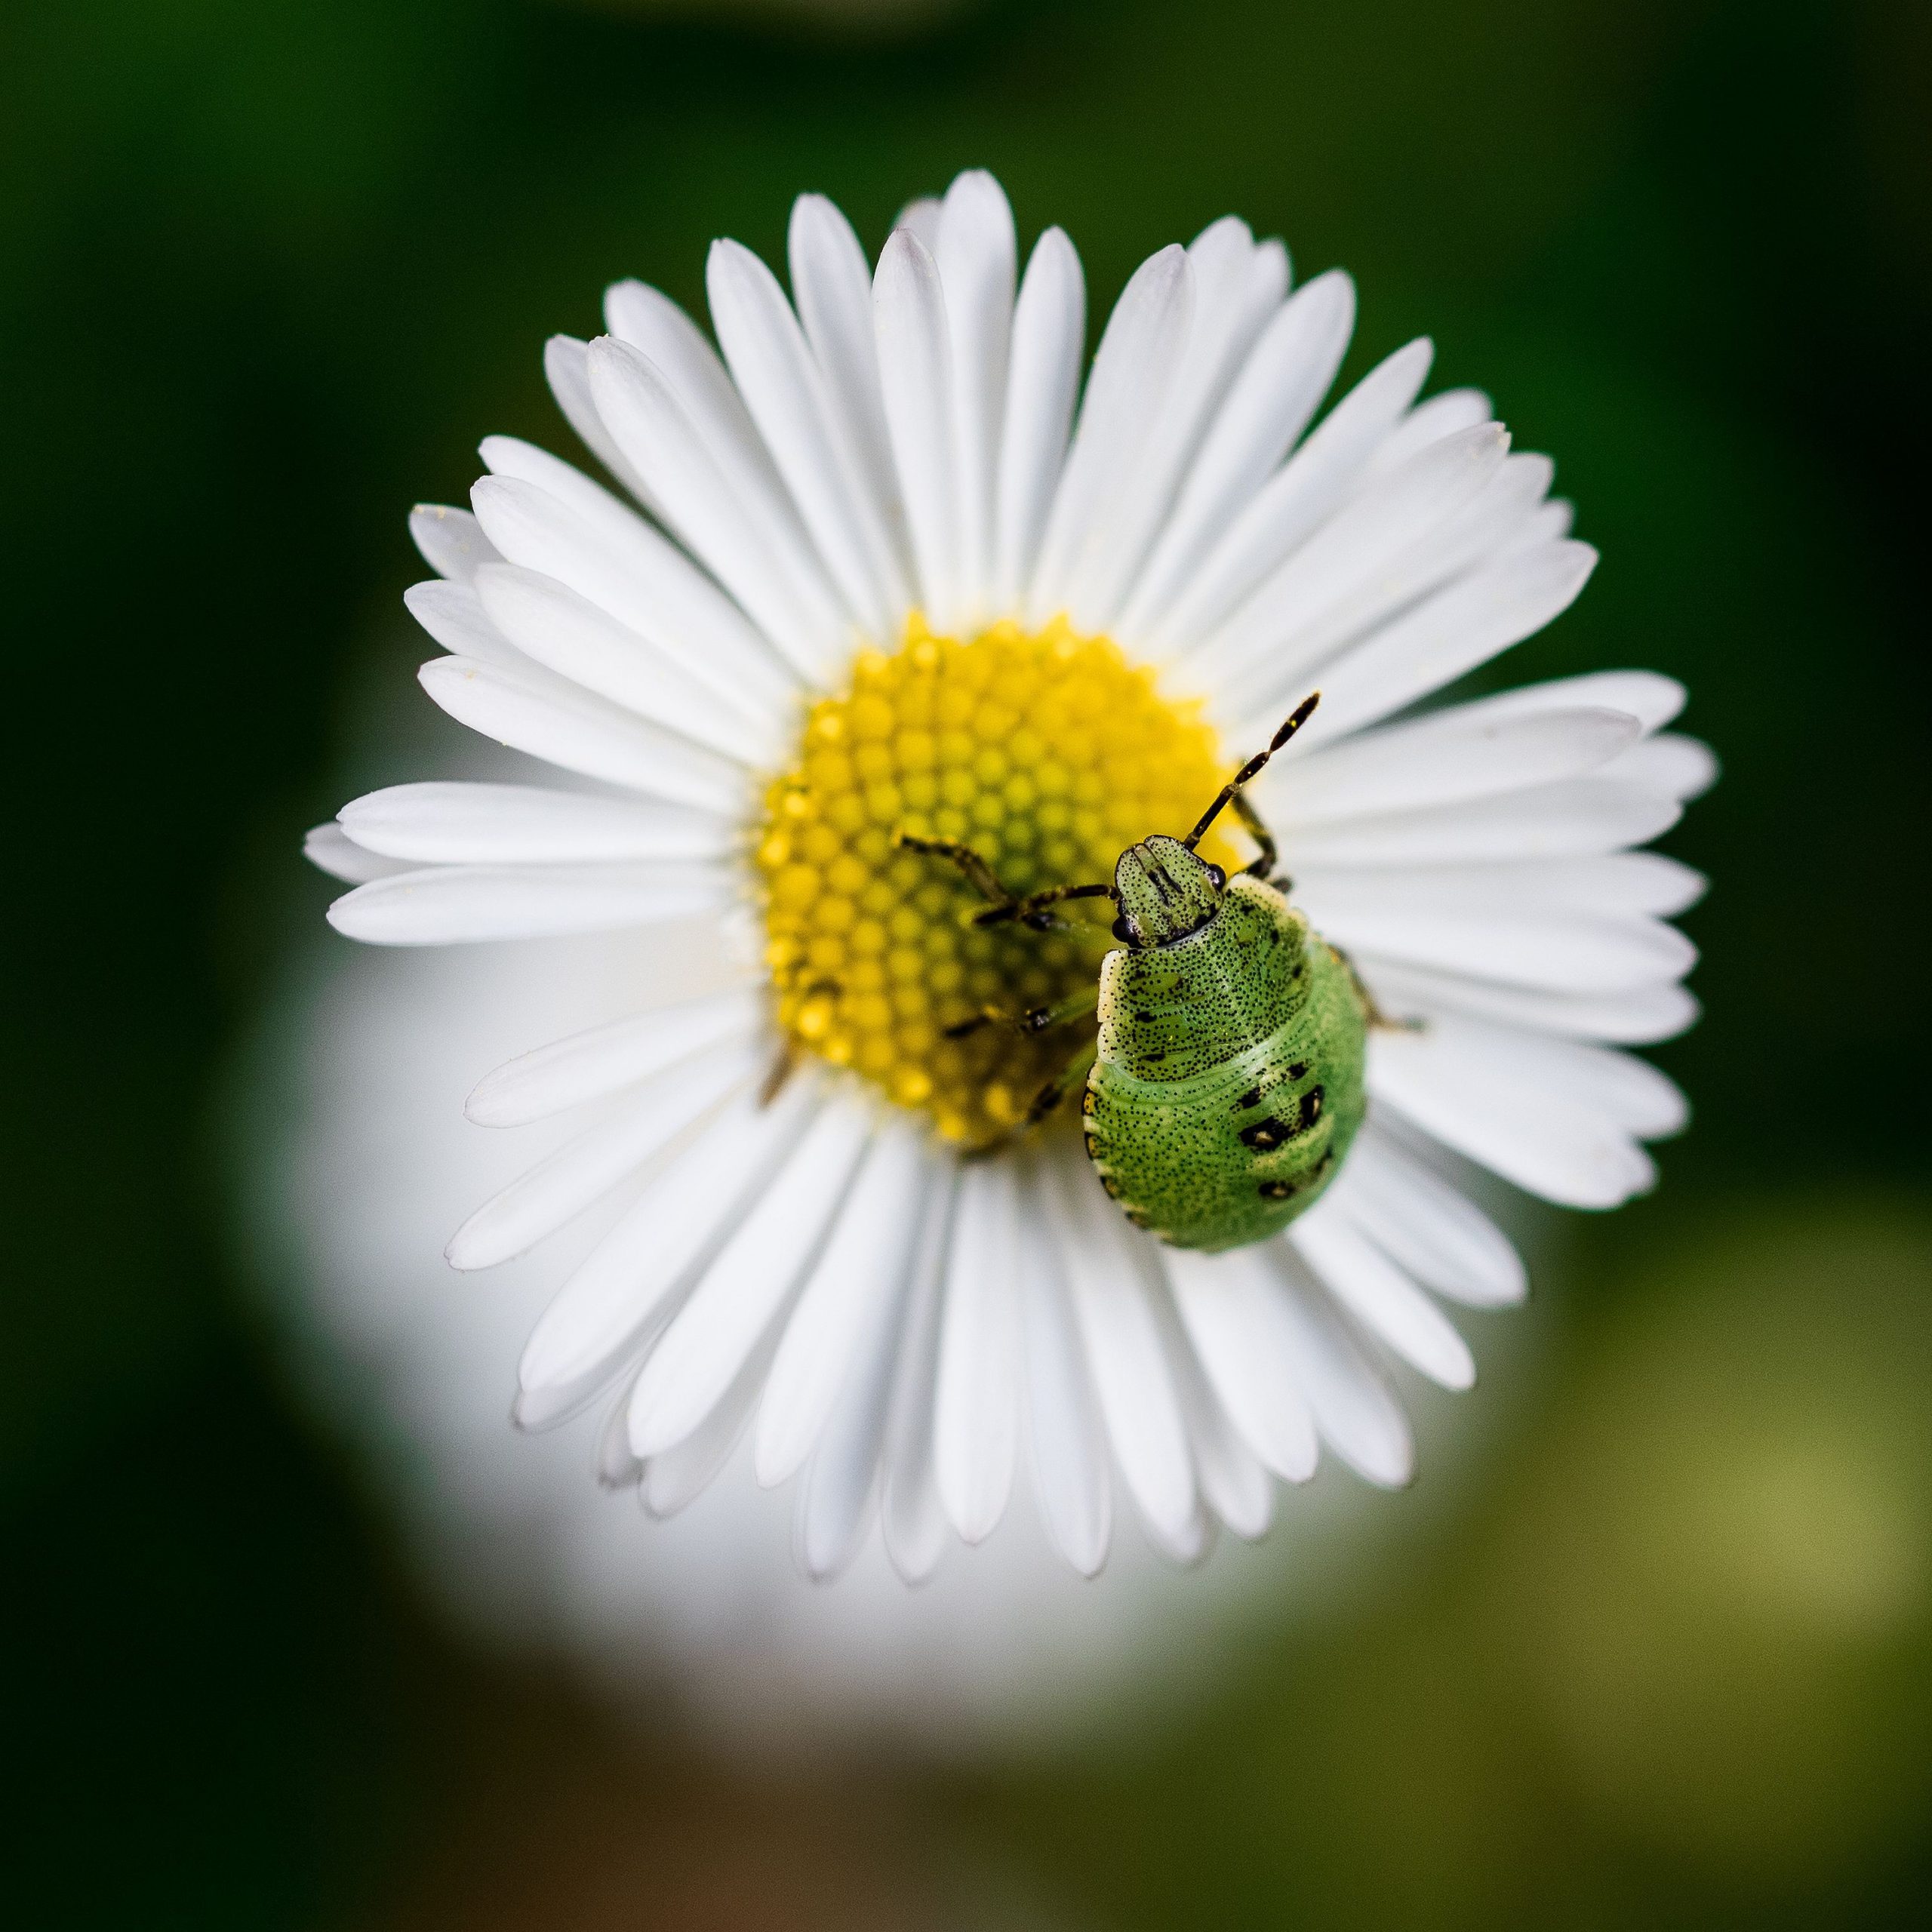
<point>879,565</point>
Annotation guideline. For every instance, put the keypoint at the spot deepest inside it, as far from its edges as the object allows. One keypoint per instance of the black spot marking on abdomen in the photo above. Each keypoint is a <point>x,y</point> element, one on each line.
<point>1264,1136</point>
<point>1311,1109</point>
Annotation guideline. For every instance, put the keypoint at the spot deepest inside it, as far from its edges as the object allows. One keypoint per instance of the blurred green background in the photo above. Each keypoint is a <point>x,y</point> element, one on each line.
<point>266,274</point>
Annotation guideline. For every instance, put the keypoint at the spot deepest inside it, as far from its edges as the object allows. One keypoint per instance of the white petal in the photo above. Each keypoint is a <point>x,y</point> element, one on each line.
<point>1490,523</point>
<point>916,377</point>
<point>722,507</point>
<point>1230,1477</point>
<point>1232,1480</point>
<point>1354,1408</point>
<point>1270,278</point>
<point>652,323</point>
<point>626,1287</point>
<point>1227,312</point>
<point>1552,521</point>
<point>835,1498</point>
<point>1233,1308</point>
<point>780,380</point>
<point>1049,336</point>
<point>585,1169</point>
<point>1139,351</point>
<point>1287,625</point>
<point>1458,629</point>
<point>676,1478</point>
<point>1612,883</point>
<point>582,733</point>
<point>452,613</point>
<point>911,1515</point>
<point>567,369</point>
<point>1670,766</point>
<point>604,550</point>
<point>1278,389</point>
<point>1109,1270</point>
<point>977,254</point>
<point>452,543</point>
<point>847,1467</point>
<point>1639,1018</point>
<point>833,289</point>
<point>1442,759</point>
<point>864,1269</point>
<point>1190,1542</point>
<point>1630,1092</point>
<point>536,1411</point>
<point>1383,1298</point>
<point>921,217</point>
<point>566,633</point>
<point>1064,1435</point>
<point>750,1280</point>
<point>757,528</point>
<point>448,824</point>
<point>458,905</point>
<point>1573,817</point>
<point>1649,696</point>
<point>617,1467</point>
<point>1558,952</point>
<point>329,849</point>
<point>1434,1231</point>
<point>1444,415</point>
<point>604,1060</point>
<point>976,1407</point>
<point>651,590</point>
<point>1297,499</point>
<point>1444,1081</point>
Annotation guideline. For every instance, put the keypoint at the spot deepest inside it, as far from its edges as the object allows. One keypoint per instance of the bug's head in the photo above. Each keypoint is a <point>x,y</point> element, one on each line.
<point>1165,892</point>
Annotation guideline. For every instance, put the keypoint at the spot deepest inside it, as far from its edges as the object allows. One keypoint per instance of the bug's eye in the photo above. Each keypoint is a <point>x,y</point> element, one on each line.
<point>1125,930</point>
<point>1216,877</point>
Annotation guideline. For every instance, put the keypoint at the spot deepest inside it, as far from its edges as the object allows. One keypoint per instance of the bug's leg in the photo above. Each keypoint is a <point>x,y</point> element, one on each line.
<point>987,1016</point>
<point>1035,1019</point>
<point>1049,1097</point>
<point>1257,829</point>
<point>1063,1083</point>
<point>1386,1022</point>
<point>780,1071</point>
<point>1075,1006</point>
<point>979,875</point>
<point>1032,911</point>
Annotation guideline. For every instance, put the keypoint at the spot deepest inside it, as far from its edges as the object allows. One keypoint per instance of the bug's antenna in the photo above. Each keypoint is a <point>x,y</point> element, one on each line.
<point>1252,768</point>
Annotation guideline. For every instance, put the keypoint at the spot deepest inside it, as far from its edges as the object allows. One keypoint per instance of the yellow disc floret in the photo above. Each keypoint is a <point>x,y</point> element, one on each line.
<point>1048,753</point>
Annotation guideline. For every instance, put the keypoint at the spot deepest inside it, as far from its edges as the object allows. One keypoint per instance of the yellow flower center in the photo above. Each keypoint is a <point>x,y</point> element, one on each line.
<point>1046,752</point>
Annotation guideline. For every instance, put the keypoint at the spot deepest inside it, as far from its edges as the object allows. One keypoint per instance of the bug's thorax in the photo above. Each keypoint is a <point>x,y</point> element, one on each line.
<point>1168,1011</point>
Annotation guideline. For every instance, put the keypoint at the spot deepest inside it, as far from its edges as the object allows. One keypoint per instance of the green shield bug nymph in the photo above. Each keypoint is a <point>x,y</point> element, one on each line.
<point>1225,1084</point>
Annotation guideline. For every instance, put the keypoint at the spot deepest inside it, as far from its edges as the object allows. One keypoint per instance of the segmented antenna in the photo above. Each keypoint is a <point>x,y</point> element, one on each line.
<point>1252,769</point>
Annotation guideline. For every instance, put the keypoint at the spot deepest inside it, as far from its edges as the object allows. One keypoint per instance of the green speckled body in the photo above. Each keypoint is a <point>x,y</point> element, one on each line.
<point>1228,1080</point>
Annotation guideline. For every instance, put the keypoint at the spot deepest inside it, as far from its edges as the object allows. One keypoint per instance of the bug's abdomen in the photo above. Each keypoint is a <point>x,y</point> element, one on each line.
<point>1235,1148</point>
